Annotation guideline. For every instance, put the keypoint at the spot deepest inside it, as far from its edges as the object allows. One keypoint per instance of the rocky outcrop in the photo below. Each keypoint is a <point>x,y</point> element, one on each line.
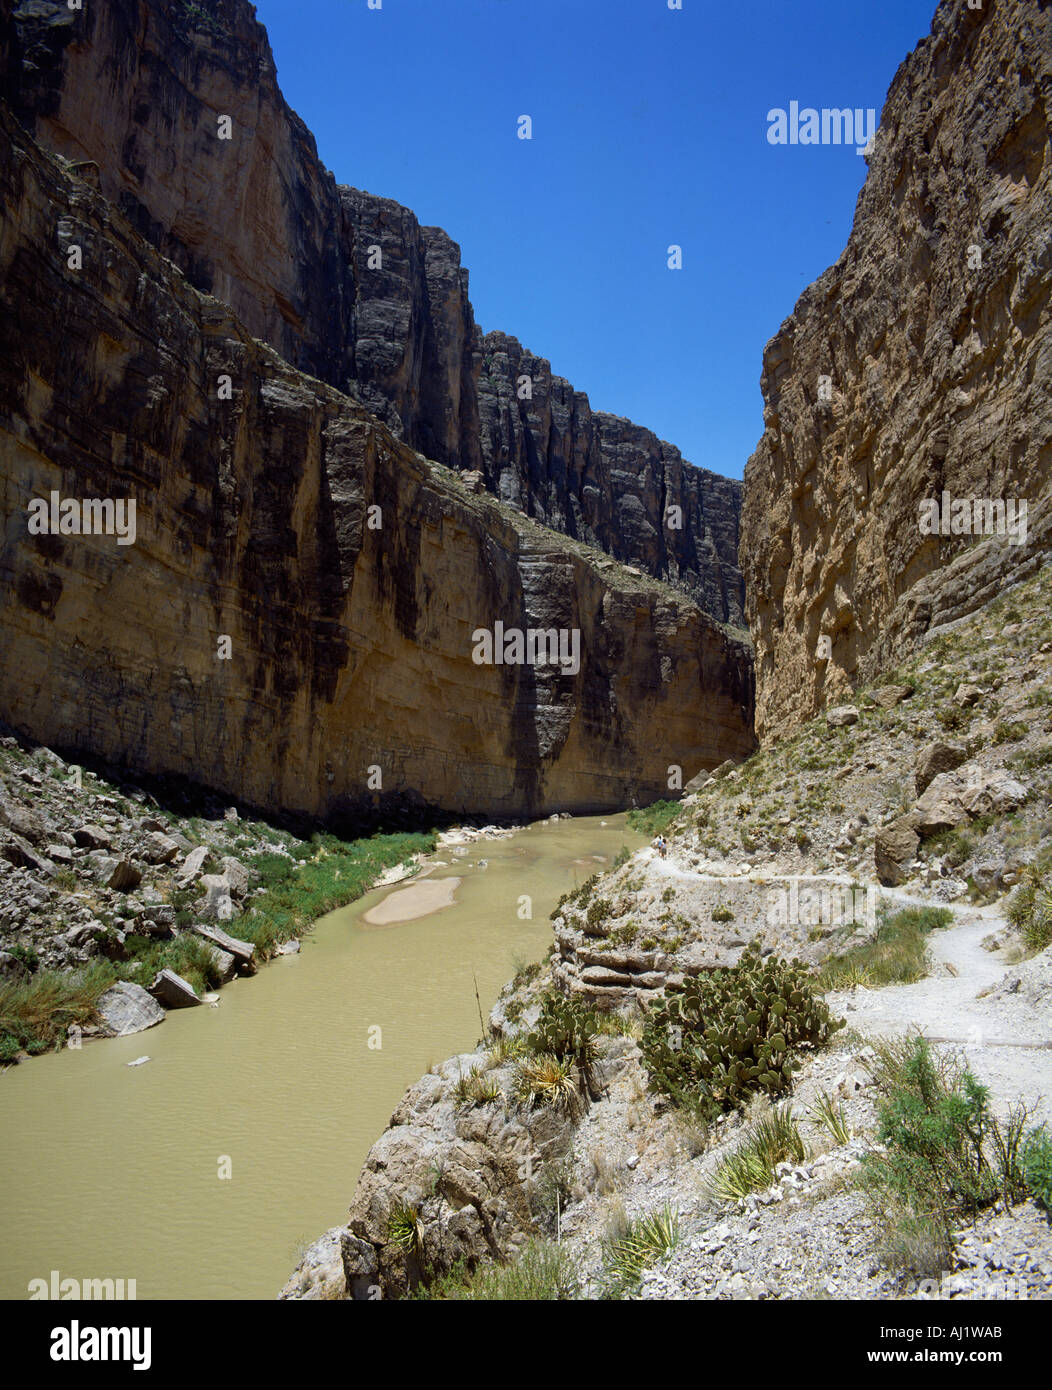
<point>345,285</point>
<point>296,617</point>
<point>916,366</point>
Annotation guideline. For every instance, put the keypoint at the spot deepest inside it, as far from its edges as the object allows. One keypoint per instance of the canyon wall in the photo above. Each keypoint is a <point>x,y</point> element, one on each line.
<point>934,330</point>
<point>135,92</point>
<point>348,572</point>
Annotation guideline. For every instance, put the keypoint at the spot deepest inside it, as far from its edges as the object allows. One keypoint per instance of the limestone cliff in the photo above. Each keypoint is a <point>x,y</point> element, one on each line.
<point>139,90</point>
<point>934,333</point>
<point>350,630</point>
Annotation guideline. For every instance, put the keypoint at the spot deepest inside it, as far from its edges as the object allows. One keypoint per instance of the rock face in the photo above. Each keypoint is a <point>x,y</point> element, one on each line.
<point>934,336</point>
<point>348,573</point>
<point>345,285</point>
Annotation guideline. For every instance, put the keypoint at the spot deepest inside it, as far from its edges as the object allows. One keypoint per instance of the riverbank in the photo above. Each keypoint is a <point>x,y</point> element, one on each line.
<point>101,885</point>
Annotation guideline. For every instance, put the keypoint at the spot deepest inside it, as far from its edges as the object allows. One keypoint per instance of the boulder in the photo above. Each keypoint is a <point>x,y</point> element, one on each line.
<point>888,696</point>
<point>940,808</point>
<point>126,1008</point>
<point>994,793</point>
<point>173,991</point>
<point>60,855</point>
<point>92,837</point>
<point>156,919</point>
<point>840,716</point>
<point>193,865</point>
<point>12,969</point>
<point>21,854</point>
<point>243,951</point>
<point>953,798</point>
<point>225,963</point>
<point>320,1273</point>
<point>22,821</point>
<point>934,758</point>
<point>217,904</point>
<point>119,874</point>
<point>965,696</point>
<point>159,849</point>
<point>85,936</point>
<point>894,850</point>
<point>237,876</point>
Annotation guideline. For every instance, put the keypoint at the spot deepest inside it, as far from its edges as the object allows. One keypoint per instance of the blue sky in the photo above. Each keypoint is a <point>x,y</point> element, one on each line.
<point>649,129</point>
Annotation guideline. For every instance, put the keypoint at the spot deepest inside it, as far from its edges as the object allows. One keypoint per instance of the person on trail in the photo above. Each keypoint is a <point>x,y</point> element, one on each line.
<point>661,845</point>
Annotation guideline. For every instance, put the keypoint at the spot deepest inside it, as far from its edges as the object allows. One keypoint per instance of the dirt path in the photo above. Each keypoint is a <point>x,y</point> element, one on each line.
<point>1006,1037</point>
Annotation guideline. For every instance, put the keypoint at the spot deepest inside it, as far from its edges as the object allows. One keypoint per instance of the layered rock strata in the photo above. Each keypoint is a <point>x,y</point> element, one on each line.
<point>345,285</point>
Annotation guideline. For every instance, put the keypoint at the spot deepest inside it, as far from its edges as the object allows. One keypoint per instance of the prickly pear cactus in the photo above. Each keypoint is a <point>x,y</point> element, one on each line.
<point>732,1032</point>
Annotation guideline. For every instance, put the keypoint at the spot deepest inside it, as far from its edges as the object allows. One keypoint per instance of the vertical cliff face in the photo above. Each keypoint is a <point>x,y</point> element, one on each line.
<point>138,90</point>
<point>295,617</point>
<point>934,333</point>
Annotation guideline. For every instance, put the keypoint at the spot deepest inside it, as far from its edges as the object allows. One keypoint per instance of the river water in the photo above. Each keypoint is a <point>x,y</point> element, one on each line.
<point>113,1171</point>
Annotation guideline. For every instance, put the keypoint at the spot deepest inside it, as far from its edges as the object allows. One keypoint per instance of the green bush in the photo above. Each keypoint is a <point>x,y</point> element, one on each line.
<point>542,1272</point>
<point>653,820</point>
<point>1037,1166</point>
<point>897,955</point>
<point>945,1154</point>
<point>636,1244</point>
<point>734,1032</point>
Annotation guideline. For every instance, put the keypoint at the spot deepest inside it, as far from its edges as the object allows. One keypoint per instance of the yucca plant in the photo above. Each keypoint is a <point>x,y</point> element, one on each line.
<point>547,1079</point>
<point>476,1088</point>
<point>405,1229</point>
<point>568,1029</point>
<point>750,1168</point>
<point>628,1253</point>
<point>831,1117</point>
<point>503,1049</point>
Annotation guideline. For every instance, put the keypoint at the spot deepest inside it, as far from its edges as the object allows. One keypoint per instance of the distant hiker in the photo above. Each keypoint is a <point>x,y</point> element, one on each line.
<point>661,845</point>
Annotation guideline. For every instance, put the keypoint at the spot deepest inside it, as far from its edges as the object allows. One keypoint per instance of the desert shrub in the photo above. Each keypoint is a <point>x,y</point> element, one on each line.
<point>722,913</point>
<point>476,1088</point>
<point>734,1032</point>
<point>542,1272</point>
<point>652,820</point>
<point>946,1155</point>
<point>546,1079</point>
<point>1037,1166</point>
<point>897,955</point>
<point>35,1014</point>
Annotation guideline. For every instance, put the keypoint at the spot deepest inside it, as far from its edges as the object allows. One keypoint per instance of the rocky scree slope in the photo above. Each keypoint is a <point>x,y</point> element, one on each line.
<point>351,647</point>
<point>131,95</point>
<point>935,330</point>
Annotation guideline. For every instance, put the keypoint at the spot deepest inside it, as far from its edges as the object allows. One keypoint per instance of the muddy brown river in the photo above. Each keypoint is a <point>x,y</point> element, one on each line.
<point>118,1172</point>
